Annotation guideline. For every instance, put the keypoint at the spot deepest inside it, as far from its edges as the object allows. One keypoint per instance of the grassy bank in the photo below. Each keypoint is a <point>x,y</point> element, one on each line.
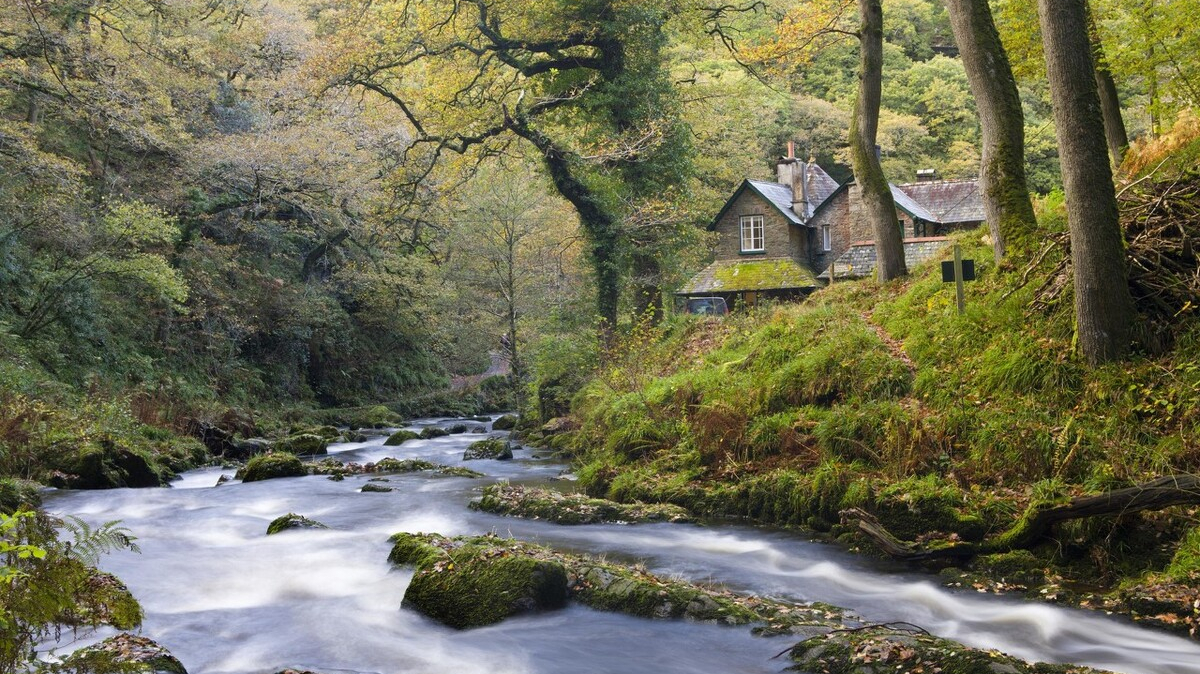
<point>945,426</point>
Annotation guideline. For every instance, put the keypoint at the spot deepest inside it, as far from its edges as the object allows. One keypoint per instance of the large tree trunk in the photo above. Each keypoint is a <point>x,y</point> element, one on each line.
<point>876,193</point>
<point>1103,305</point>
<point>601,227</point>
<point>1002,173</point>
<point>1110,102</point>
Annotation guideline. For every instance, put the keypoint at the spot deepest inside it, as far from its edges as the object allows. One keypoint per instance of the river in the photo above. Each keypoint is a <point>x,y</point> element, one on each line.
<point>226,598</point>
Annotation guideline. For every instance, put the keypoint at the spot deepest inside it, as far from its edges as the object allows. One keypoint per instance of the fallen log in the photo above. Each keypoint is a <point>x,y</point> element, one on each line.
<point>1037,520</point>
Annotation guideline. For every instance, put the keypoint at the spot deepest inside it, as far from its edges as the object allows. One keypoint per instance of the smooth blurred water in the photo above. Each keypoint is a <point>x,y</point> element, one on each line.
<point>226,598</point>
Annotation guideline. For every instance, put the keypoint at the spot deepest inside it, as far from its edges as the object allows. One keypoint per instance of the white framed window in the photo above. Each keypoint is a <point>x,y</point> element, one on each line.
<point>826,238</point>
<point>752,234</point>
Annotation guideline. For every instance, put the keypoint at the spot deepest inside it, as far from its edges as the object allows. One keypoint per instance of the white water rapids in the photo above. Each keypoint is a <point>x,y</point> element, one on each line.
<point>226,598</point>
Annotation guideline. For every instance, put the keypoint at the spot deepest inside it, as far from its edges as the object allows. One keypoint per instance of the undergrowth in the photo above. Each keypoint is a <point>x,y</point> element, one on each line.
<point>884,396</point>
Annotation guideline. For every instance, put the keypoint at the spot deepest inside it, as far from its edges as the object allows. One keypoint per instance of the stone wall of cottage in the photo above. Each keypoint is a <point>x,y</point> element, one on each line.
<point>836,214</point>
<point>780,237</point>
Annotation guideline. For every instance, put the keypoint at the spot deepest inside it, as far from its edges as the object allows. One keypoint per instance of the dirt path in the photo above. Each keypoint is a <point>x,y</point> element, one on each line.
<point>895,346</point>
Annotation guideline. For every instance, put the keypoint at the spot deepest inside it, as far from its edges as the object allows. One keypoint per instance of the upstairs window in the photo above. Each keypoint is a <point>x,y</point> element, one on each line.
<point>826,238</point>
<point>752,234</point>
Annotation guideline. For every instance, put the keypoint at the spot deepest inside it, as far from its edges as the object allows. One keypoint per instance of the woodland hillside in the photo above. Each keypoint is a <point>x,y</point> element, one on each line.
<point>231,226</point>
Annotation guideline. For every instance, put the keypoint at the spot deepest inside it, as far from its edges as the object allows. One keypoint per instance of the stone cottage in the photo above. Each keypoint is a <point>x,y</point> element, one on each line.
<point>782,239</point>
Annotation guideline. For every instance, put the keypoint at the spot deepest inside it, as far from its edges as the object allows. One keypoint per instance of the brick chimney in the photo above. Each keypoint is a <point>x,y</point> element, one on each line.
<point>786,166</point>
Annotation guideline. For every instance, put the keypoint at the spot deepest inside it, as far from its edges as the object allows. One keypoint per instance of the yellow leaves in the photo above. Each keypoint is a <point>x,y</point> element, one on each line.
<point>802,32</point>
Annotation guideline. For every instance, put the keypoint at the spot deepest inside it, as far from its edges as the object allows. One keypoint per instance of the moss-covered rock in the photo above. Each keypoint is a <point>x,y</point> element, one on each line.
<point>400,437</point>
<point>607,589</point>
<point>505,423</point>
<point>15,493</point>
<point>883,650</point>
<point>379,416</point>
<point>271,466</point>
<point>560,508</point>
<point>105,601</point>
<point>457,429</point>
<point>919,506</point>
<point>492,448</point>
<point>244,449</point>
<point>354,436</point>
<point>108,465</point>
<point>301,444</point>
<point>125,653</point>
<point>330,433</point>
<point>292,521</point>
<point>375,487</point>
<point>472,581</point>
<point>390,465</point>
<point>431,432</point>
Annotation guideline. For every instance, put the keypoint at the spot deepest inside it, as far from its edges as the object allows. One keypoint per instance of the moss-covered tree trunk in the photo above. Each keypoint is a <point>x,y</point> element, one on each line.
<point>877,200</point>
<point>599,223</point>
<point>1006,201</point>
<point>1103,305</point>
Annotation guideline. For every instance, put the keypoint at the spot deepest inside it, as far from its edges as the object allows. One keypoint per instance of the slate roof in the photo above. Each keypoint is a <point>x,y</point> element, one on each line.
<point>908,205</point>
<point>727,276</point>
<point>859,259</point>
<point>949,201</point>
<point>779,195</point>
<point>821,186</point>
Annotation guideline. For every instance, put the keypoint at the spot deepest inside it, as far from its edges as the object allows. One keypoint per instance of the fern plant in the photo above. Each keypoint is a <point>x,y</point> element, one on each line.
<point>48,582</point>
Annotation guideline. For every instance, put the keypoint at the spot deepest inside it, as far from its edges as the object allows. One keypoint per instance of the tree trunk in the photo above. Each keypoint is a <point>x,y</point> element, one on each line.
<point>1110,102</point>
<point>601,227</point>
<point>1006,201</point>
<point>1103,305</point>
<point>876,194</point>
<point>647,300</point>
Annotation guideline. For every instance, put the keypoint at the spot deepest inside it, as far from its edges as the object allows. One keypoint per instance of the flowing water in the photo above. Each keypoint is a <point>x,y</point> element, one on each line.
<point>224,597</point>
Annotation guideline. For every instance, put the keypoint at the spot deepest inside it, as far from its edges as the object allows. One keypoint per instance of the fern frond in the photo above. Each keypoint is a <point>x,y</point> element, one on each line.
<point>87,544</point>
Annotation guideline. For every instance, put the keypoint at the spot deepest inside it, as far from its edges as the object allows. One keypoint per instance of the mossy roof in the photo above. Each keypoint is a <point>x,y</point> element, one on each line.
<point>725,276</point>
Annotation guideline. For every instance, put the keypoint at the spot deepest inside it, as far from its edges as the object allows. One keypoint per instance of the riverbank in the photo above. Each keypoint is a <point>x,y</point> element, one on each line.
<point>327,599</point>
<point>952,431</point>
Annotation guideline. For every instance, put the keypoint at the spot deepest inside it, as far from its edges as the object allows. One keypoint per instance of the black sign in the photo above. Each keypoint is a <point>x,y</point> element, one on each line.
<point>968,271</point>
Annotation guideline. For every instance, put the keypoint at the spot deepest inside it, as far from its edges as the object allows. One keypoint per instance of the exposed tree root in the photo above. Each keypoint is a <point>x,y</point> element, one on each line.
<point>1157,494</point>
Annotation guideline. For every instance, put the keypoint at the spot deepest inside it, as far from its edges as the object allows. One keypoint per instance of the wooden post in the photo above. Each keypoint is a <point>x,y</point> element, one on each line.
<point>958,278</point>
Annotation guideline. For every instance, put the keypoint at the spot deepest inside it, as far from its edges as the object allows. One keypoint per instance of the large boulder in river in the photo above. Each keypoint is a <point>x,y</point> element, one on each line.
<point>433,432</point>
<point>125,653</point>
<point>483,582</point>
<point>469,581</point>
<point>492,448</point>
<point>292,521</point>
<point>301,443</point>
<point>271,466</point>
<point>505,423</point>
<point>401,437</point>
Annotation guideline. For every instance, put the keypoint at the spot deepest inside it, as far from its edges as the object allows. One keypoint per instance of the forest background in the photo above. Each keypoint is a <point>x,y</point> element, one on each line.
<point>213,207</point>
